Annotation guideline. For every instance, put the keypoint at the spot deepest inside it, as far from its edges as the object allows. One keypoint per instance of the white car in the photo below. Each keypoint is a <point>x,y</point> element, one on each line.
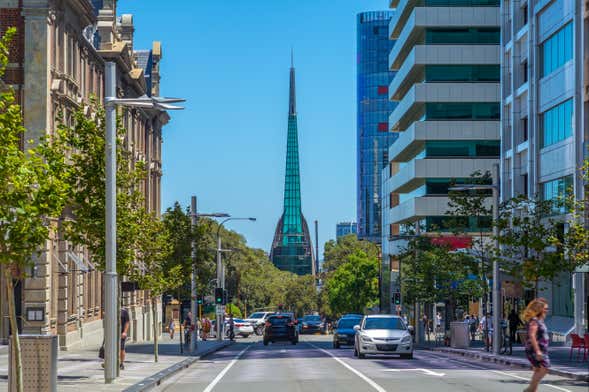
<point>241,328</point>
<point>258,320</point>
<point>383,334</point>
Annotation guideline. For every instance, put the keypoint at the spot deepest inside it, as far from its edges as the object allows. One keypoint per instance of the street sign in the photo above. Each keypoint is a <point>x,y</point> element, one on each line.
<point>220,310</point>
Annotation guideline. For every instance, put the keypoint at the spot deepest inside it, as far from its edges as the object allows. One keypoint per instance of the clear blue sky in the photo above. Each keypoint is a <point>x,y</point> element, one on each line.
<point>230,59</point>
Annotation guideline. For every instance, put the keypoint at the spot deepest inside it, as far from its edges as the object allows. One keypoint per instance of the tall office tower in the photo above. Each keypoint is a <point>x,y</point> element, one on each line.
<point>292,249</point>
<point>447,87</point>
<point>544,118</point>
<point>374,107</point>
<point>345,228</point>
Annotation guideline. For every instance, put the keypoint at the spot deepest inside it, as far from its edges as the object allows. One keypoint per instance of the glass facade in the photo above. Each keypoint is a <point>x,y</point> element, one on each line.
<point>462,73</point>
<point>556,190</point>
<point>557,50</point>
<point>458,3</point>
<point>557,123</point>
<point>462,111</point>
<point>374,108</point>
<point>462,36</point>
<point>344,228</point>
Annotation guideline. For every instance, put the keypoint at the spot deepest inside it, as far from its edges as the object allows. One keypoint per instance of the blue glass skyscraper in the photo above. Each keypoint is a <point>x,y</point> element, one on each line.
<point>374,108</point>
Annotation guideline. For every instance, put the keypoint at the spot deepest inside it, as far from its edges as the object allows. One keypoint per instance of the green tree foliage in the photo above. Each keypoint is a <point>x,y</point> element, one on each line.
<point>34,190</point>
<point>528,233</point>
<point>337,252</point>
<point>433,273</point>
<point>85,226</point>
<point>353,286</point>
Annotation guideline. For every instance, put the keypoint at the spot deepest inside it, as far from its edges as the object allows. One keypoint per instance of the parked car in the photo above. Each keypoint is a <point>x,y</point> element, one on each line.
<point>383,335</point>
<point>353,315</point>
<point>311,324</point>
<point>280,327</point>
<point>257,320</point>
<point>344,332</point>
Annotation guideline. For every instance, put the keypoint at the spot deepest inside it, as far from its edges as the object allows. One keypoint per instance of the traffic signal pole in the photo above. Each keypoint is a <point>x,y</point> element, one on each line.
<point>193,293</point>
<point>219,325</point>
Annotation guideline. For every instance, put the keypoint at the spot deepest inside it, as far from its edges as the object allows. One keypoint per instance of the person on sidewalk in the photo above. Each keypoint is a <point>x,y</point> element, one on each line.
<point>188,326</point>
<point>514,322</point>
<point>473,326</point>
<point>125,321</point>
<point>171,328</point>
<point>231,323</point>
<point>487,329</point>
<point>537,341</point>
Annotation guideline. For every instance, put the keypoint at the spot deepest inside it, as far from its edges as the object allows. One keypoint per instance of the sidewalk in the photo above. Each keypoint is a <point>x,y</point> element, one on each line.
<point>81,369</point>
<point>559,358</point>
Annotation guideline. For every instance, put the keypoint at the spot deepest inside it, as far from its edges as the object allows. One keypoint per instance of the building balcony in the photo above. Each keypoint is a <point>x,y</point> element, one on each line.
<point>412,141</point>
<point>411,107</point>
<point>414,173</point>
<point>412,30</point>
<point>416,208</point>
<point>412,70</point>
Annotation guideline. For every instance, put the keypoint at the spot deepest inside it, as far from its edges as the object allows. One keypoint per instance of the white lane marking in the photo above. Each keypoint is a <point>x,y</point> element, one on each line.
<point>425,371</point>
<point>356,372</point>
<point>210,387</point>
<point>527,379</point>
<point>283,351</point>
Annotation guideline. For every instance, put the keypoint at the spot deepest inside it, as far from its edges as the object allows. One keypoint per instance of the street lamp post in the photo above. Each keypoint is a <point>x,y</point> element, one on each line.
<point>194,215</point>
<point>221,275</point>
<point>111,339</point>
<point>495,290</point>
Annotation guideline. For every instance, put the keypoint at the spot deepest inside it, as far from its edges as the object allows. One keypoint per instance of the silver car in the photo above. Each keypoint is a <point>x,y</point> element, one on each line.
<point>383,335</point>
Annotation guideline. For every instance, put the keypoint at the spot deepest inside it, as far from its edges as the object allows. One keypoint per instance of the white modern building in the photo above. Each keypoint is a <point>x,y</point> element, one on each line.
<point>447,85</point>
<point>544,96</point>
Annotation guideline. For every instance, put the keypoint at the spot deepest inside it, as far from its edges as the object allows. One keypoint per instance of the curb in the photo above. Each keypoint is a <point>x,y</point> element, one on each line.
<point>508,361</point>
<point>153,381</point>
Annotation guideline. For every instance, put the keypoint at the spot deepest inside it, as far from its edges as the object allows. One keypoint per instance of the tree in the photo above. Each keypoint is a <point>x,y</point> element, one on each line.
<point>337,252</point>
<point>353,286</point>
<point>301,294</point>
<point>85,226</point>
<point>151,272</point>
<point>34,190</point>
<point>434,273</point>
<point>528,232</point>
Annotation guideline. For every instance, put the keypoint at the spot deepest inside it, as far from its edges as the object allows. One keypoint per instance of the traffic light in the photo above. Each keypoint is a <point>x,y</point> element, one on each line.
<point>397,298</point>
<point>219,296</point>
<point>200,300</point>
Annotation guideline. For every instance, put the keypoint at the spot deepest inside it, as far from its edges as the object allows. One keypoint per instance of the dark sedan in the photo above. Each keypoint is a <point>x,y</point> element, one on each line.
<point>344,332</point>
<point>312,324</point>
<point>280,327</point>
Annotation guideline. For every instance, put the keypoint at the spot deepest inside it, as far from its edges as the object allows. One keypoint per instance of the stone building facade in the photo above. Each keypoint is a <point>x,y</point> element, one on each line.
<point>56,65</point>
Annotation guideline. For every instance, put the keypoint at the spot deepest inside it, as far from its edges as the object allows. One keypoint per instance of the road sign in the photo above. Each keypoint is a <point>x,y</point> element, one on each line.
<point>220,310</point>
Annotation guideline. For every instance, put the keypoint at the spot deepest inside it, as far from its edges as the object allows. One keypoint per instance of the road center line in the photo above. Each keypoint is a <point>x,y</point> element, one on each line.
<point>356,372</point>
<point>210,387</point>
<point>527,379</point>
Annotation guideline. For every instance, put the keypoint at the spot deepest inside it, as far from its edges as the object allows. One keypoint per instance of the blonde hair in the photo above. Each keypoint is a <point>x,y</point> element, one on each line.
<point>534,309</point>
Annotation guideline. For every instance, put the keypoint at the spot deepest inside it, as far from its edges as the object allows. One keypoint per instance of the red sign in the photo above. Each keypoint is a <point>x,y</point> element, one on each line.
<point>453,242</point>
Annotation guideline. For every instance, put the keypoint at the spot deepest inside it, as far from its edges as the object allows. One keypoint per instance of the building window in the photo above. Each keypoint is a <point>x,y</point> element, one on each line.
<point>557,50</point>
<point>462,111</point>
<point>524,129</point>
<point>557,123</point>
<point>556,191</point>
<point>524,68</point>
<point>462,73</point>
<point>525,184</point>
<point>478,36</point>
<point>461,3</point>
<point>524,12</point>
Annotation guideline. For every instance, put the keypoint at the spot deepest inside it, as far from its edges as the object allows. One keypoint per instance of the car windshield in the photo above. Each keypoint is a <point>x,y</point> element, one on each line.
<point>311,318</point>
<point>348,323</point>
<point>257,315</point>
<point>279,320</point>
<point>237,320</point>
<point>384,323</point>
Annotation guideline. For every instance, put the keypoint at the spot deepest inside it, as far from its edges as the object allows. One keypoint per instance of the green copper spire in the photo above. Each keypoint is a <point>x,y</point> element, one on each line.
<point>291,248</point>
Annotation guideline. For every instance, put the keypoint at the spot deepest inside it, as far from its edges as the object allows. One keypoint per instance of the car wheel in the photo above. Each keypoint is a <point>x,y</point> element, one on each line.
<point>265,342</point>
<point>294,342</point>
<point>335,345</point>
<point>361,356</point>
<point>407,356</point>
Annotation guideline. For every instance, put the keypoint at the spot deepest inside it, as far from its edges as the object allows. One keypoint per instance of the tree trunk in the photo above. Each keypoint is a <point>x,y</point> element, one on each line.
<point>14,328</point>
<point>155,329</point>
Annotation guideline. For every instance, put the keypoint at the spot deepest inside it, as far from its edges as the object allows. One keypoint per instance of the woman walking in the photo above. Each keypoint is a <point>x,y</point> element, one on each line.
<point>537,341</point>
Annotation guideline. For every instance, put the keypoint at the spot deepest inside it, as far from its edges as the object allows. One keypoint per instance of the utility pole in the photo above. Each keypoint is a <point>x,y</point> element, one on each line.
<point>193,294</point>
<point>316,247</point>
<point>220,284</point>
<point>497,308</point>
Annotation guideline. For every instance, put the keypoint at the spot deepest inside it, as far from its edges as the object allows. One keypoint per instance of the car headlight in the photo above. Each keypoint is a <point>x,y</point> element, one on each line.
<point>365,338</point>
<point>406,340</point>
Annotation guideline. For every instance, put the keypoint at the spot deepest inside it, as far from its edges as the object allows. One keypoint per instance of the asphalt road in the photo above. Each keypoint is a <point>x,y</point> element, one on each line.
<point>313,365</point>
